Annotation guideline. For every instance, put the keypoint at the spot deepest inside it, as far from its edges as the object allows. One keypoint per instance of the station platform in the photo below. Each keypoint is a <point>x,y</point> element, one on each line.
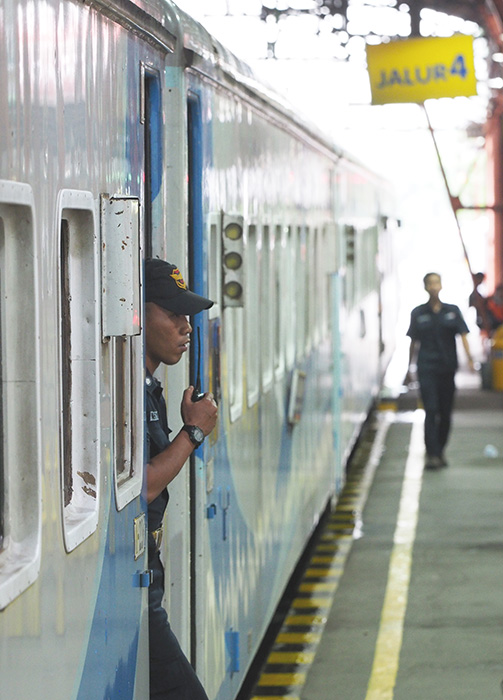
<point>401,594</point>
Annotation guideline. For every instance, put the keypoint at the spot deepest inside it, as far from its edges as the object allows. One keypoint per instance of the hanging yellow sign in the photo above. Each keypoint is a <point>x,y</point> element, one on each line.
<point>414,70</point>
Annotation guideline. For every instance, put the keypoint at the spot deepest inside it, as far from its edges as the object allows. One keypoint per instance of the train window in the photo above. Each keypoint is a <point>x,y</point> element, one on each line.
<point>3,483</point>
<point>288,301</point>
<point>330,262</point>
<point>310,291</point>
<point>20,452</point>
<point>152,118</point>
<point>79,365</point>
<point>350,245</point>
<point>316,298</point>
<point>372,258</point>
<point>267,304</point>
<point>127,418</point>
<point>300,296</point>
<point>279,295</point>
<point>214,269</point>
<point>252,306</point>
<point>233,322</point>
<point>123,400</point>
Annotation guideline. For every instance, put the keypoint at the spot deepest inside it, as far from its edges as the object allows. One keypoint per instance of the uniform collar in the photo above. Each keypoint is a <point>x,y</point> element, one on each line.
<point>152,383</point>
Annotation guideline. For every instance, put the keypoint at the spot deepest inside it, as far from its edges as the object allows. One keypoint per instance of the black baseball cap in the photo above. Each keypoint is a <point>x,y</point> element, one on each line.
<point>165,286</point>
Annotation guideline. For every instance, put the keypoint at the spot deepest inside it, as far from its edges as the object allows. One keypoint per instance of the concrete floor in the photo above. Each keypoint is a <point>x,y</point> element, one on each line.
<point>452,645</point>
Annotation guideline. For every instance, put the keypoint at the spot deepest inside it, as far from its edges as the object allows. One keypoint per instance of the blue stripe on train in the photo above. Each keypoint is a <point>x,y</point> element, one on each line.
<point>110,663</point>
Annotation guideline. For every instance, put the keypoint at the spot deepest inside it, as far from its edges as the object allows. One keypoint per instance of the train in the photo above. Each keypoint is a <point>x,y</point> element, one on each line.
<point>127,132</point>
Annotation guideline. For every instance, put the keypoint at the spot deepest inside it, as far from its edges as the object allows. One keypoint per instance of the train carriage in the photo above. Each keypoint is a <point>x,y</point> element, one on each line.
<point>127,132</point>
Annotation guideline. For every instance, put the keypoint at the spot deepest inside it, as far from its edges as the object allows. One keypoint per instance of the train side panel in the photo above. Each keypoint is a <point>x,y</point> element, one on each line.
<point>71,132</point>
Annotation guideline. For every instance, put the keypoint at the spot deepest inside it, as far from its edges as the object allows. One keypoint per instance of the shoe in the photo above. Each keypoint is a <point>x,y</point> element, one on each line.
<point>433,462</point>
<point>445,463</point>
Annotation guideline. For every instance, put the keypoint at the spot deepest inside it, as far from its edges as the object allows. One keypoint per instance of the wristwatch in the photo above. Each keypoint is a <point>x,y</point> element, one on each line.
<point>195,434</point>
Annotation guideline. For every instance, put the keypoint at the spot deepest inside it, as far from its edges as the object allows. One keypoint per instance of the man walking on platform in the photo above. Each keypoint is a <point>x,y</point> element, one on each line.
<point>433,330</point>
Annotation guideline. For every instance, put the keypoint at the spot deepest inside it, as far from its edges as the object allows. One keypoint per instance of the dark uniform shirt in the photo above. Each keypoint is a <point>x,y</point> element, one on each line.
<point>436,333</point>
<point>157,440</point>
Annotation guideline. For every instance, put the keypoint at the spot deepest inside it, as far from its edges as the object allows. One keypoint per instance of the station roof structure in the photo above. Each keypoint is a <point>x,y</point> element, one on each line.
<point>487,13</point>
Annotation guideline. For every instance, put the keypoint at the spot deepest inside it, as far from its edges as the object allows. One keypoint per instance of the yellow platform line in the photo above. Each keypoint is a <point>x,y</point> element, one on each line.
<point>389,640</point>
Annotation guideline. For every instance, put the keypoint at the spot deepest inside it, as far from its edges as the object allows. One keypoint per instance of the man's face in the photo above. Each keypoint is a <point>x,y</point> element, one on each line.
<point>433,284</point>
<point>166,335</point>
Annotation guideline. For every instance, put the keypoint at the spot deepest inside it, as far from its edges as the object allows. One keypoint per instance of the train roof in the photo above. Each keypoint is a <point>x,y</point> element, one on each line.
<point>171,30</point>
<point>206,53</point>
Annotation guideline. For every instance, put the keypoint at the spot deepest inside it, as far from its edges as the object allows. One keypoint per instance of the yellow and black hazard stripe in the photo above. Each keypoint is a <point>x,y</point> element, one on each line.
<point>285,670</point>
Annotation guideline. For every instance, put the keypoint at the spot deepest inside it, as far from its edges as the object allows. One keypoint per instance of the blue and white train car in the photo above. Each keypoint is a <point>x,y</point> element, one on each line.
<point>126,131</point>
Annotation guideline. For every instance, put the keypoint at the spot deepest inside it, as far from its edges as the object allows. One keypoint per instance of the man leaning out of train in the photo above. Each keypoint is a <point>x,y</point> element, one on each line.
<point>168,304</point>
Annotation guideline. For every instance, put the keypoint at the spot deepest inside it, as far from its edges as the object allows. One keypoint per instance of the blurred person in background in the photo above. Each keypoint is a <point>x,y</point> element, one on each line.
<point>433,329</point>
<point>494,305</point>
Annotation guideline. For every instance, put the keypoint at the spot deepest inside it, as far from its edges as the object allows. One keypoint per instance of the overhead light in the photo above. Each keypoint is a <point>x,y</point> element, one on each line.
<point>497,57</point>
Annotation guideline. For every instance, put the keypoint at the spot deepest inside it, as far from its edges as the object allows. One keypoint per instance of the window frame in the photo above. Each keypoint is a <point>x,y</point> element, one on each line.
<point>79,433</point>
<point>20,551</point>
<point>267,304</point>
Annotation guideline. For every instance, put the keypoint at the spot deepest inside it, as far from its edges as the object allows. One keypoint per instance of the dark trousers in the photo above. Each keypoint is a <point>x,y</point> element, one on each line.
<point>171,675</point>
<point>437,393</point>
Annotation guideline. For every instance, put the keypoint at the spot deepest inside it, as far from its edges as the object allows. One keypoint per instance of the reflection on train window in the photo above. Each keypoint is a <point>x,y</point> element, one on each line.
<point>252,306</point>
<point>2,456</point>
<point>20,463</point>
<point>279,296</point>
<point>350,244</point>
<point>267,304</point>
<point>233,324</point>
<point>127,417</point>
<point>288,300</point>
<point>123,423</point>
<point>79,393</point>
<point>311,282</point>
<point>300,294</point>
<point>327,267</point>
<point>214,271</point>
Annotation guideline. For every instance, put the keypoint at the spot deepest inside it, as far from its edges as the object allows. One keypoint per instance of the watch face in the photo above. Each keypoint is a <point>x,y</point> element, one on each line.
<point>197,434</point>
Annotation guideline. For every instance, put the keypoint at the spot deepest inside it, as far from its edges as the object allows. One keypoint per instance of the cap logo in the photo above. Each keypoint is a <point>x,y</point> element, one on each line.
<point>177,276</point>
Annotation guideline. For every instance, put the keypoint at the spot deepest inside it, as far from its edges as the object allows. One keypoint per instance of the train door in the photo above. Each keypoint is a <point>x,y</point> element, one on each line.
<point>215,644</point>
<point>197,354</point>
<point>204,370</point>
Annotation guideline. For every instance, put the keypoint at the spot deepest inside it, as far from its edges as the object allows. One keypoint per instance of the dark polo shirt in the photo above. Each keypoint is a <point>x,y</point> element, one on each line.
<point>436,333</point>
<point>157,440</point>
